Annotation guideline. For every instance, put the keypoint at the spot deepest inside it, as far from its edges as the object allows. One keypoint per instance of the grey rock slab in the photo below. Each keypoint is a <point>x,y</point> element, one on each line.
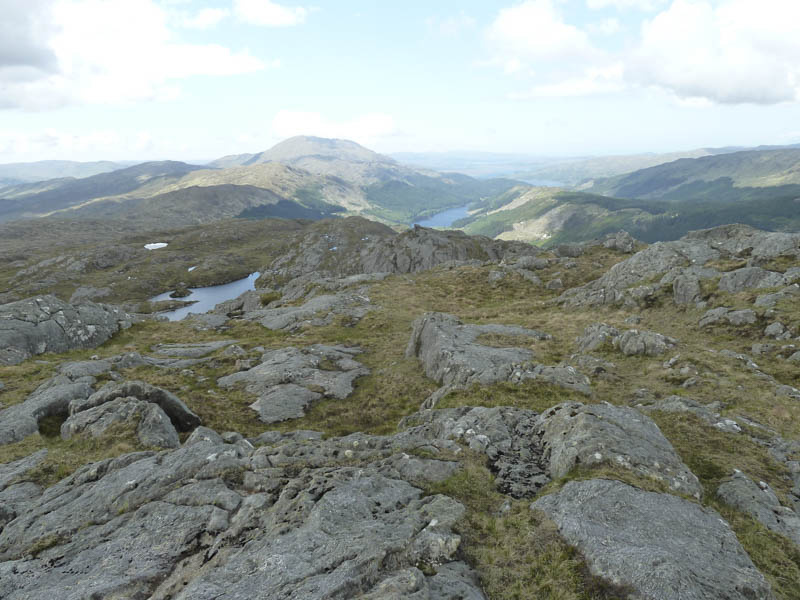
<point>593,434</point>
<point>84,368</point>
<point>564,376</point>
<point>760,502</point>
<point>623,282</point>
<point>331,538</point>
<point>47,324</point>
<point>13,471</point>
<point>196,350</point>
<point>679,404</point>
<point>289,379</point>
<point>21,420</point>
<point>748,278</point>
<point>181,416</point>
<point>661,546</point>
<point>123,558</point>
<point>451,355</point>
<point>98,492</point>
<point>770,300</point>
<point>319,310</point>
<point>741,317</point>
<point>596,336</point>
<point>283,402</point>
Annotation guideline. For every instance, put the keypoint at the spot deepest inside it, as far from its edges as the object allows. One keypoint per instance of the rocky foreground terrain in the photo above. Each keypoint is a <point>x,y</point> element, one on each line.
<point>422,415</point>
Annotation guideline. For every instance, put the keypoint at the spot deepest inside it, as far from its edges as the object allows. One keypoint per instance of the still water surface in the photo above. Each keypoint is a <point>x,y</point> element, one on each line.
<point>208,297</point>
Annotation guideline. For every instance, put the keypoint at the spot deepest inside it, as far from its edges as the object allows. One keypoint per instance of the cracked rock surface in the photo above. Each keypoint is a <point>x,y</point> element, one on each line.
<point>289,380</point>
<point>659,546</point>
<point>452,355</point>
<point>47,324</point>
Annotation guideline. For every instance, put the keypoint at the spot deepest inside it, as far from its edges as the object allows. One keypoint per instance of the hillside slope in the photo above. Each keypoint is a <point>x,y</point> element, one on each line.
<point>726,176</point>
<point>549,216</point>
<point>480,420</point>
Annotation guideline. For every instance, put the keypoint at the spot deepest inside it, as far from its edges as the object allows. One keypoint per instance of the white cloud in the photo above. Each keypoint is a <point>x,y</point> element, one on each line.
<point>270,14</point>
<point>593,81</point>
<point>111,51</point>
<point>622,4</point>
<point>730,52</point>
<point>453,25</point>
<point>365,129</point>
<point>535,32</point>
<point>206,18</point>
<point>609,26</point>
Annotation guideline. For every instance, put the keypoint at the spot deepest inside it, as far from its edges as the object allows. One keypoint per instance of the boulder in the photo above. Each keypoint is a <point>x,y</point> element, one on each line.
<point>760,502</point>
<point>774,330</point>
<point>659,546</point>
<point>575,434</point>
<point>154,427</point>
<point>21,420</point>
<point>736,318</point>
<point>47,324</point>
<point>179,414</point>
<point>643,343</point>
<point>596,336</point>
<point>622,241</point>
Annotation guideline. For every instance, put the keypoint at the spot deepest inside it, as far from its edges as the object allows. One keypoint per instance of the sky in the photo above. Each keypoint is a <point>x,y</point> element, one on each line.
<point>199,79</point>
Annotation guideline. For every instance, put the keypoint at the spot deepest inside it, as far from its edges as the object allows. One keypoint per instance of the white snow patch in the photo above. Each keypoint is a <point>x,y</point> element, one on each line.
<point>155,246</point>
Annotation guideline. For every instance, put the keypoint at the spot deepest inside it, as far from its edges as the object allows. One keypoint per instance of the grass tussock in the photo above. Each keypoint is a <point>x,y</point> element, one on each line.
<point>517,552</point>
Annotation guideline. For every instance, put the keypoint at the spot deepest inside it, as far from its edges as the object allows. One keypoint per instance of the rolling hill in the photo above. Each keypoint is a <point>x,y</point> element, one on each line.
<point>731,176</point>
<point>549,216</point>
<point>30,172</point>
<point>322,177</point>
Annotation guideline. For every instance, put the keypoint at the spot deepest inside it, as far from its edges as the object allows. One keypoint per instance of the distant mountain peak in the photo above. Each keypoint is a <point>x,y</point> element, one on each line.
<point>302,147</point>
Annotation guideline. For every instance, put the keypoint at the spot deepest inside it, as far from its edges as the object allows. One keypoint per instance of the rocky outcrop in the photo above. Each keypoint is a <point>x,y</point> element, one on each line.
<point>760,502</point>
<point>289,380</point>
<point>682,264</point>
<point>47,324</point>
<point>737,318</point>
<point>343,247</point>
<point>51,399</point>
<point>154,427</point>
<point>179,414</point>
<point>632,342</point>
<point>526,450</point>
<point>749,278</point>
<point>622,241</point>
<point>317,311</point>
<point>659,546</point>
<point>595,434</point>
<point>707,412</point>
<point>451,354</point>
<point>193,522</point>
